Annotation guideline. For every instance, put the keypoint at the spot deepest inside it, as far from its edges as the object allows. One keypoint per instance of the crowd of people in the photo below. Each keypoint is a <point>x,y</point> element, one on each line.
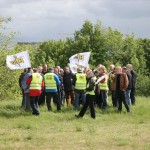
<point>88,87</point>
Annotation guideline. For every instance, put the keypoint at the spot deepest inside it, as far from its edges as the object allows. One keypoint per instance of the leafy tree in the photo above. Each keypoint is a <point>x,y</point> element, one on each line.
<point>146,46</point>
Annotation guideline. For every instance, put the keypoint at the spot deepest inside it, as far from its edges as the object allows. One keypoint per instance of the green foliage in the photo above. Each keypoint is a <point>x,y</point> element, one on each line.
<point>50,52</point>
<point>146,46</point>
<point>9,78</point>
<point>6,35</point>
<point>143,85</point>
<point>106,45</point>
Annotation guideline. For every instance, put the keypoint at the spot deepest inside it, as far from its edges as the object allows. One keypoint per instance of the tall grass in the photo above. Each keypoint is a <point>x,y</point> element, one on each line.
<point>61,130</point>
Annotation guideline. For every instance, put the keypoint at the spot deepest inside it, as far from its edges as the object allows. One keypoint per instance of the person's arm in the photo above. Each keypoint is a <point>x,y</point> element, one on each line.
<point>74,80</point>
<point>57,80</point>
<point>126,81</point>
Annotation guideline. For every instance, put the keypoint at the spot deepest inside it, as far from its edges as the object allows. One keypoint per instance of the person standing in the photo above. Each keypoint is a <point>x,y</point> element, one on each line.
<point>60,87</point>
<point>68,86</point>
<point>21,81</point>
<point>51,82</point>
<point>36,83</point>
<point>90,96</point>
<point>128,91</point>
<point>111,85</point>
<point>121,85</point>
<point>133,80</point>
<point>26,88</point>
<point>103,86</point>
<point>79,82</point>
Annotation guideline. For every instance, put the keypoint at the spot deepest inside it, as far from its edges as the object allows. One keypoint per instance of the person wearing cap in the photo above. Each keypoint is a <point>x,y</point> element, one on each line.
<point>79,83</point>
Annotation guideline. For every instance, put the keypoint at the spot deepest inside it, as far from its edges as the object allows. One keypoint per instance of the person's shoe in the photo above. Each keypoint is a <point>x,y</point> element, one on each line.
<point>128,110</point>
<point>119,111</point>
<point>78,116</point>
<point>49,109</point>
<point>36,114</point>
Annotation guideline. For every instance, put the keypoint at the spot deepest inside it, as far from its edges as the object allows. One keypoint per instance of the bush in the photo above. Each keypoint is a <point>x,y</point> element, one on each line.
<point>143,85</point>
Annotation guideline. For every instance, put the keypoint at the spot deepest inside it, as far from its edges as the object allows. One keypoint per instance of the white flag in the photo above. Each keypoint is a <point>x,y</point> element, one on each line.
<point>79,60</point>
<point>18,61</point>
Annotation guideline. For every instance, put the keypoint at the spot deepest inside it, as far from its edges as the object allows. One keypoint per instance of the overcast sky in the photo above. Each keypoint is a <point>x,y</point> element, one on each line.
<point>39,20</point>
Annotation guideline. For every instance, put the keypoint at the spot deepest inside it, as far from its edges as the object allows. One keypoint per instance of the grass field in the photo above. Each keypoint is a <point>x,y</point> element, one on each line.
<point>19,130</point>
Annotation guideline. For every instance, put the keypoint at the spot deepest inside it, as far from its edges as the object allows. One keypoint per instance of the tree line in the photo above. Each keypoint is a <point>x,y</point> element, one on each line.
<point>107,46</point>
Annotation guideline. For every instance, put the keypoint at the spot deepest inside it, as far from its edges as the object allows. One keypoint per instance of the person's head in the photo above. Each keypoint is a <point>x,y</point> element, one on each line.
<point>79,70</point>
<point>51,70</point>
<point>58,67</point>
<point>45,67</point>
<point>124,69</point>
<point>66,70</point>
<point>118,70</point>
<point>99,66</point>
<point>30,70</point>
<point>56,71</point>
<point>102,69</point>
<point>61,71</point>
<point>112,67</point>
<point>96,73</point>
<point>39,69</point>
<point>89,74</point>
<point>129,67</point>
<point>34,69</point>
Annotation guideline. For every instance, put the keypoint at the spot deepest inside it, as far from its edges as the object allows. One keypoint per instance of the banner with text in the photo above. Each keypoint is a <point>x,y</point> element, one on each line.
<point>79,60</point>
<point>18,61</point>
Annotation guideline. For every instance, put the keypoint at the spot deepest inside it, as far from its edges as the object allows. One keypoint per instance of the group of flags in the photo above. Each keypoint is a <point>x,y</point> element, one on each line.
<point>22,60</point>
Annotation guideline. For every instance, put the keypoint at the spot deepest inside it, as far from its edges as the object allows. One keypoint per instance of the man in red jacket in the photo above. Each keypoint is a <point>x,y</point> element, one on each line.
<point>36,83</point>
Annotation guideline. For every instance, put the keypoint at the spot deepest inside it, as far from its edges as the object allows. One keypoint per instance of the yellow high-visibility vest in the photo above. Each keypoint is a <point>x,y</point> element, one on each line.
<point>81,81</point>
<point>90,92</point>
<point>104,86</point>
<point>36,83</point>
<point>50,82</point>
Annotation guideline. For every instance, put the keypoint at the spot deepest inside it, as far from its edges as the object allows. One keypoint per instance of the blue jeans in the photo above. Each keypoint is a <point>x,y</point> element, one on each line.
<point>128,99</point>
<point>77,96</point>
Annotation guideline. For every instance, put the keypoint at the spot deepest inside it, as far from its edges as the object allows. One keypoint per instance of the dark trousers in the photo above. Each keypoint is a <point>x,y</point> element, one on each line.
<point>103,99</point>
<point>121,98</point>
<point>132,96</point>
<point>34,104</point>
<point>41,100</point>
<point>55,97</point>
<point>27,100</point>
<point>114,99</point>
<point>89,102</point>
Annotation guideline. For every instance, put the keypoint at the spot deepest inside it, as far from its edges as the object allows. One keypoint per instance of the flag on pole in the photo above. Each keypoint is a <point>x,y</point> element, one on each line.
<point>79,60</point>
<point>18,61</point>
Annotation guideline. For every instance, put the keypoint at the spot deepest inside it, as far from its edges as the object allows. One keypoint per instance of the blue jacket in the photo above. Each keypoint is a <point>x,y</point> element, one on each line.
<point>23,83</point>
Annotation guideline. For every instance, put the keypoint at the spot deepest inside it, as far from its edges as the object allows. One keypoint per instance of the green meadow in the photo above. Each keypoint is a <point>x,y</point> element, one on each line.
<point>19,130</point>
